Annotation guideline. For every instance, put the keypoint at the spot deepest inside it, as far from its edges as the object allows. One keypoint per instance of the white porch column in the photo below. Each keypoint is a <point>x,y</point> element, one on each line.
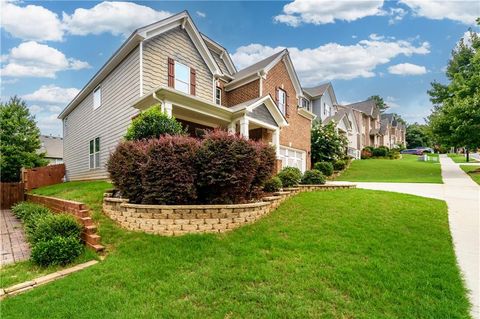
<point>276,141</point>
<point>168,108</point>
<point>232,127</point>
<point>244,127</point>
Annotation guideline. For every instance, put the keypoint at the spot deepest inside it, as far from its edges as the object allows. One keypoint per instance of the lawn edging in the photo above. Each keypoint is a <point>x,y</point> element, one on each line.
<point>28,285</point>
<point>79,210</point>
<point>176,220</point>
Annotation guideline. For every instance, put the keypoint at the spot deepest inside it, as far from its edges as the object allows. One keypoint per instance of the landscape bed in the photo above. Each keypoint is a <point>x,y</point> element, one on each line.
<point>469,169</point>
<point>316,255</point>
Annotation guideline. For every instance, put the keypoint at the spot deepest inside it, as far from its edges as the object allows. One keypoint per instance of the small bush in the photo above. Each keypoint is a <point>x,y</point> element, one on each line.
<point>56,251</point>
<point>169,173</point>
<point>290,176</point>
<point>266,164</point>
<point>272,185</point>
<point>153,123</point>
<point>51,225</point>
<point>340,165</point>
<point>381,151</point>
<point>125,168</point>
<point>226,166</point>
<point>394,154</point>
<point>28,211</point>
<point>366,153</point>
<point>325,167</point>
<point>313,176</point>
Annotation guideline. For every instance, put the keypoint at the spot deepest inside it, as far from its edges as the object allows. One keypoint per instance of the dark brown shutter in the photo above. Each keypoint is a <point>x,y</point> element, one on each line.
<point>171,72</point>
<point>193,81</point>
<point>286,103</point>
<point>276,95</point>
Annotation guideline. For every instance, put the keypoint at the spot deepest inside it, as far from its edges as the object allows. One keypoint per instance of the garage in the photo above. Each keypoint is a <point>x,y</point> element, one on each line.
<point>293,157</point>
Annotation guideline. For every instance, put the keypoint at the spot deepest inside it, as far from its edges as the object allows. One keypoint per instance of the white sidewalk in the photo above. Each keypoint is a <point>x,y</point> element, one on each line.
<point>462,196</point>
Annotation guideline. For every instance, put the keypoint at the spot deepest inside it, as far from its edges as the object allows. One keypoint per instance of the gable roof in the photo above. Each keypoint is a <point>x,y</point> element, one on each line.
<point>349,111</point>
<point>182,19</point>
<point>269,103</point>
<point>262,67</point>
<point>52,146</point>
<point>317,90</point>
<point>368,107</point>
<point>220,50</point>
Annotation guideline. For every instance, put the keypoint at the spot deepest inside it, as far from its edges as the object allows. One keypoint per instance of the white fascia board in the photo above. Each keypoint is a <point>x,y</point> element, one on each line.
<point>307,114</point>
<point>238,83</point>
<point>224,55</point>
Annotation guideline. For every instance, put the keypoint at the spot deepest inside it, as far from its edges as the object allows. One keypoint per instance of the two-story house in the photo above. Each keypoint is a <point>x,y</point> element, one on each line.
<point>192,78</point>
<point>367,115</point>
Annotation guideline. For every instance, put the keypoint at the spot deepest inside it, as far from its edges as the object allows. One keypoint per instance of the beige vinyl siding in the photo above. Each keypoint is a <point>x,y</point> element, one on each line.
<point>175,44</point>
<point>109,122</point>
<point>220,62</point>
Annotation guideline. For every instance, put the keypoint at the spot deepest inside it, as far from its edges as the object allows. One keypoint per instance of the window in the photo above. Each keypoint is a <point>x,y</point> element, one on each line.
<point>218,96</point>
<point>305,104</point>
<point>324,108</point>
<point>282,100</point>
<point>94,157</point>
<point>182,78</point>
<point>65,127</point>
<point>97,97</point>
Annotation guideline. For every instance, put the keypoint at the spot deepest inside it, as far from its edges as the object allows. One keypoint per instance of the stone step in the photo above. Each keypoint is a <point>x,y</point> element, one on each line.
<point>86,221</point>
<point>90,229</point>
<point>97,247</point>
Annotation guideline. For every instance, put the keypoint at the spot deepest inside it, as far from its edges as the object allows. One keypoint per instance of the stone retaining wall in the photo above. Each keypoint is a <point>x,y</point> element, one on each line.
<point>175,220</point>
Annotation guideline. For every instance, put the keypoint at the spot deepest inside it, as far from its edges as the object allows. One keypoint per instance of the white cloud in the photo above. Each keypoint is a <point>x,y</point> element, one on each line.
<point>463,11</point>
<point>201,14</point>
<point>49,124</point>
<point>52,94</point>
<point>332,60</point>
<point>376,37</point>
<point>31,22</point>
<point>32,59</point>
<point>407,69</point>
<point>391,102</point>
<point>34,109</point>
<point>467,37</point>
<point>55,108</point>
<point>117,18</point>
<point>327,11</point>
<point>396,15</point>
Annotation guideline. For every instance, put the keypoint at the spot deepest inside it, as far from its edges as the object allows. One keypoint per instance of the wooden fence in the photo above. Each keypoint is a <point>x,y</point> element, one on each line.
<point>11,193</point>
<point>43,176</point>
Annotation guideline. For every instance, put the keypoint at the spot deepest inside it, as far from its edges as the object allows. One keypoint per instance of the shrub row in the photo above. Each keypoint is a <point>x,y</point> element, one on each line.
<point>219,169</point>
<point>54,238</point>
<point>380,152</point>
<point>292,176</point>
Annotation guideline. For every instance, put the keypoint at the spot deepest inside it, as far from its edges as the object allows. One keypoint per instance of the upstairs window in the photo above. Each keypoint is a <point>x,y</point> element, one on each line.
<point>97,97</point>
<point>218,96</point>
<point>182,77</point>
<point>282,100</point>
<point>94,156</point>
<point>305,103</point>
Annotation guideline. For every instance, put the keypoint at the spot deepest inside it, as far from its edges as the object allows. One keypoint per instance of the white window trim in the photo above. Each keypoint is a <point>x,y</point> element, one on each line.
<point>94,154</point>
<point>175,79</point>
<point>302,152</point>
<point>282,110</point>
<point>98,88</point>
<point>219,99</point>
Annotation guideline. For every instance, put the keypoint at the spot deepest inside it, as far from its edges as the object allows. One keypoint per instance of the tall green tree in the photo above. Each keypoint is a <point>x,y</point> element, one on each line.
<point>19,140</point>
<point>455,118</point>
<point>327,144</point>
<point>418,135</point>
<point>379,102</point>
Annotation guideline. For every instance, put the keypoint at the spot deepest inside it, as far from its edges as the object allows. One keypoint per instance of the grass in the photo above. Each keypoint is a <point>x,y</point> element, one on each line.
<point>408,169</point>
<point>388,256</point>
<point>460,158</point>
<point>473,175</point>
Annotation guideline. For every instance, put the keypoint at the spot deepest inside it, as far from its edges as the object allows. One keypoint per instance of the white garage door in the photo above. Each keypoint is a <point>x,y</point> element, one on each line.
<point>294,158</point>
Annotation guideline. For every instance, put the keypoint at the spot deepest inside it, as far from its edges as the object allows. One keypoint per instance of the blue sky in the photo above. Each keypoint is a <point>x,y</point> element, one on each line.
<point>395,49</point>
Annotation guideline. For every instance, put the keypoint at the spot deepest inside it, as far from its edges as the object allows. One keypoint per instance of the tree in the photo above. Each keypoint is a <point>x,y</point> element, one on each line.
<point>379,102</point>
<point>327,144</point>
<point>417,135</point>
<point>19,140</point>
<point>455,118</point>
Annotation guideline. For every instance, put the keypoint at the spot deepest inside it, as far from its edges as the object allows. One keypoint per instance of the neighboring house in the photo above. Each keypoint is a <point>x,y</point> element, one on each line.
<point>368,119</point>
<point>393,130</point>
<point>353,132</point>
<point>193,79</point>
<point>321,100</point>
<point>52,147</point>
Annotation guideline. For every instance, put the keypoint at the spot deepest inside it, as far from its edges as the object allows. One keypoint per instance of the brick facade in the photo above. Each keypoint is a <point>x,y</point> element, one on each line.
<point>297,133</point>
<point>242,94</point>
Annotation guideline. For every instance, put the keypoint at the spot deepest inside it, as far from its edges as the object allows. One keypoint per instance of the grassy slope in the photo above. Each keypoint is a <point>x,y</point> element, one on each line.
<point>474,176</point>
<point>389,255</point>
<point>405,170</point>
<point>460,158</point>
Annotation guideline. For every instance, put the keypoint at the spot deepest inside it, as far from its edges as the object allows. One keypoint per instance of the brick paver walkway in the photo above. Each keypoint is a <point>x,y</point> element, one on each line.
<point>13,246</point>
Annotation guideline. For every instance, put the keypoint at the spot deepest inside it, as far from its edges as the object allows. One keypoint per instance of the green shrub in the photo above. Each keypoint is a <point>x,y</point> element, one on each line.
<point>26,211</point>
<point>325,167</point>
<point>381,151</point>
<point>366,153</point>
<point>272,185</point>
<point>394,154</point>
<point>312,177</point>
<point>290,176</point>
<point>153,123</point>
<point>56,251</point>
<point>50,226</point>
<point>340,165</point>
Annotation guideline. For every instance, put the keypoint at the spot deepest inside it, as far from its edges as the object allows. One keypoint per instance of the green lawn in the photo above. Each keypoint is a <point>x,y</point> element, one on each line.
<point>408,169</point>
<point>387,256</point>
<point>460,158</point>
<point>469,170</point>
